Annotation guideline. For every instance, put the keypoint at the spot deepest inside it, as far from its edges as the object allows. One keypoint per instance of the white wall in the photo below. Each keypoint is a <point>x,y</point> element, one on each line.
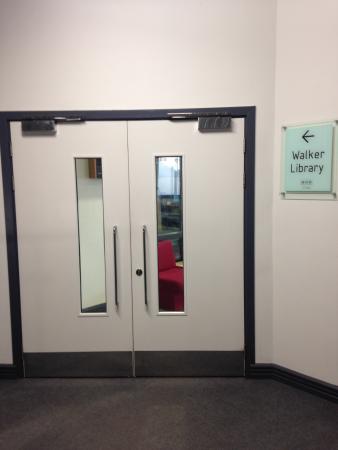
<point>5,324</point>
<point>305,243</point>
<point>122,54</point>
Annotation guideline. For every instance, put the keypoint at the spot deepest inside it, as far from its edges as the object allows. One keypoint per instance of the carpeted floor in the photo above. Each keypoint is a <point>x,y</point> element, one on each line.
<point>163,414</point>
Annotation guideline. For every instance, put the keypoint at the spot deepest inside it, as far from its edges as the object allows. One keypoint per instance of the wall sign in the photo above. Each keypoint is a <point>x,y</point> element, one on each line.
<point>308,156</point>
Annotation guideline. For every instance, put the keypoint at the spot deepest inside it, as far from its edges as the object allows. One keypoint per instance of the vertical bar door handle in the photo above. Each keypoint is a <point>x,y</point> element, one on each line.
<point>115,265</point>
<point>144,230</point>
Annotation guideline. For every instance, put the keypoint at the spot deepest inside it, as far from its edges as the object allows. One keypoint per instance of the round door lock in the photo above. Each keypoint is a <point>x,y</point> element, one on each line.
<point>139,272</point>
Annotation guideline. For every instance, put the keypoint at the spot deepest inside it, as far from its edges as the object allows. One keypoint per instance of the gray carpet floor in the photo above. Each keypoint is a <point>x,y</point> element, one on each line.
<point>163,414</point>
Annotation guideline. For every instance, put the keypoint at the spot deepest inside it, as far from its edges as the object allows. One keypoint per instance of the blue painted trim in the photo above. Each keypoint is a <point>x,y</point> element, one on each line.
<point>246,112</point>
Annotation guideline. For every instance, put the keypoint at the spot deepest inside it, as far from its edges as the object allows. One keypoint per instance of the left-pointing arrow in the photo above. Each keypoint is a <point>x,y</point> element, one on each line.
<point>306,136</point>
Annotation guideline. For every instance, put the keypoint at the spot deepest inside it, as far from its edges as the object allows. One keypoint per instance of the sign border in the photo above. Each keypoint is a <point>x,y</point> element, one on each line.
<point>310,195</point>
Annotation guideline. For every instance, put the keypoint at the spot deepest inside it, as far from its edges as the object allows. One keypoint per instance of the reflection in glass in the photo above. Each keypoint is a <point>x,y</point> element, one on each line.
<point>170,233</point>
<point>91,234</point>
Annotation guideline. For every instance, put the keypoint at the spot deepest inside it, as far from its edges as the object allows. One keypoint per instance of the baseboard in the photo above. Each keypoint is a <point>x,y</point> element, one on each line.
<point>257,371</point>
<point>296,379</point>
<point>7,371</point>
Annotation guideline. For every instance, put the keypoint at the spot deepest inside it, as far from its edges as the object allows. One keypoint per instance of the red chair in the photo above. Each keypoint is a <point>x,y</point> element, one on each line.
<point>170,279</point>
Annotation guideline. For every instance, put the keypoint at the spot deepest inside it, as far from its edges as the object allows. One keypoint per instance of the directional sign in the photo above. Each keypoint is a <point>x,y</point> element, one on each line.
<point>308,152</point>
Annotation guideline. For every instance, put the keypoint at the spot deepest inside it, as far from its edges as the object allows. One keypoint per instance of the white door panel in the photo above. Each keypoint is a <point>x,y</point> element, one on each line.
<point>213,236</point>
<point>48,237</point>
<point>46,205</point>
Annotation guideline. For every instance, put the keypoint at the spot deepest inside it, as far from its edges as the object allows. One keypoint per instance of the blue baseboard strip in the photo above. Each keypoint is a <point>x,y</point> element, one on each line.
<point>257,371</point>
<point>8,371</point>
<point>296,379</point>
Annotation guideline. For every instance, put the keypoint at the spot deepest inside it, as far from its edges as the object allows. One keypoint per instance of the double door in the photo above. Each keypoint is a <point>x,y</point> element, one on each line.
<point>130,238</point>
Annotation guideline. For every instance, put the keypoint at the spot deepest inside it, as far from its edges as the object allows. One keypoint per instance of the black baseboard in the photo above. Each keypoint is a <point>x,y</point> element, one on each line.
<point>296,379</point>
<point>8,371</point>
<point>257,371</point>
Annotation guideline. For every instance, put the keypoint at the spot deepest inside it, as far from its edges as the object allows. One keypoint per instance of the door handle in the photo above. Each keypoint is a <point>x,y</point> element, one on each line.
<point>144,231</point>
<point>115,265</point>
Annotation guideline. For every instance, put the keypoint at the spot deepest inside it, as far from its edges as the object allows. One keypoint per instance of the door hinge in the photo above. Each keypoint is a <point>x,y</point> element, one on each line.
<point>244,180</point>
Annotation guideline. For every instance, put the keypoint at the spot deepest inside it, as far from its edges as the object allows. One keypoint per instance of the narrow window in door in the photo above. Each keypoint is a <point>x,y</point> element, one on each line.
<point>91,234</point>
<point>169,203</point>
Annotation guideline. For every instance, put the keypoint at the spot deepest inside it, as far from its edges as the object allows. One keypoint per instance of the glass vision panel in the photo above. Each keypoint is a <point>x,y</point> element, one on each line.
<point>169,202</point>
<point>91,234</point>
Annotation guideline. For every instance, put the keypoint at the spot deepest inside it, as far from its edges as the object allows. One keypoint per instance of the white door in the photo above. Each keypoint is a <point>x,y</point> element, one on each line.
<point>73,322</point>
<point>149,210</point>
<point>186,191</point>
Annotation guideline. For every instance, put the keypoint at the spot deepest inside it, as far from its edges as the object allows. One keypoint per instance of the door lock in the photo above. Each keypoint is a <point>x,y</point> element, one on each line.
<point>139,272</point>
